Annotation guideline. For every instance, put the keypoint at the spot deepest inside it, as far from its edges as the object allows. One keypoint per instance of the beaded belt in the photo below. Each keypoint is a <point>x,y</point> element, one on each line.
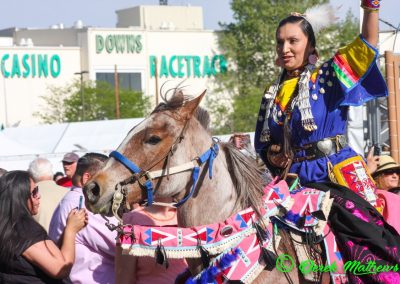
<point>321,148</point>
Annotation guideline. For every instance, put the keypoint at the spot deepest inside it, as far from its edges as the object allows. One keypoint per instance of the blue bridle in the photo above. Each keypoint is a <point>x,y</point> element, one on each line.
<point>209,156</point>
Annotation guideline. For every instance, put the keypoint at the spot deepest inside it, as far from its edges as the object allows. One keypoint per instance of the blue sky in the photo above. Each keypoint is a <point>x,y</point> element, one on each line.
<point>101,13</point>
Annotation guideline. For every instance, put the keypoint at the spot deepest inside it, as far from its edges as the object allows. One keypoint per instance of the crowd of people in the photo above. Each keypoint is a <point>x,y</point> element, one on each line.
<point>48,236</point>
<point>52,237</point>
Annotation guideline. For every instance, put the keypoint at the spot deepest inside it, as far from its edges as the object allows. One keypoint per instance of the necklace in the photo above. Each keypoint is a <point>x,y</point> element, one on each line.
<point>294,73</point>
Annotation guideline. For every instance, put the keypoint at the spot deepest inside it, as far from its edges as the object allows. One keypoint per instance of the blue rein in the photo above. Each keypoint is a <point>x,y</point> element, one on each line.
<point>209,156</point>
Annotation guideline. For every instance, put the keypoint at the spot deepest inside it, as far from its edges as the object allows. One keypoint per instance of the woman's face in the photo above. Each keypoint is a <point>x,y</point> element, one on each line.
<point>388,179</point>
<point>34,199</point>
<point>292,46</point>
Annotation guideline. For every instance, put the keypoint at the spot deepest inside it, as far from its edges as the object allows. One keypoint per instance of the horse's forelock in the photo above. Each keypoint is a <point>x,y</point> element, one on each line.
<point>177,100</point>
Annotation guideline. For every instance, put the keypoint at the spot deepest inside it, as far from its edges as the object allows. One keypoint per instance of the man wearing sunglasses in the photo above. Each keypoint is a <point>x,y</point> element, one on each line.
<point>69,162</point>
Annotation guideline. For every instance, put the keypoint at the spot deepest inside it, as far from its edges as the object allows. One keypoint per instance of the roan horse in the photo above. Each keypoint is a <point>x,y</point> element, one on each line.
<point>175,133</point>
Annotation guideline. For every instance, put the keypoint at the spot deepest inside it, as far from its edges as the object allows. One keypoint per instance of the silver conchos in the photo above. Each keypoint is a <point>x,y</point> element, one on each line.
<point>226,231</point>
<point>314,96</point>
<point>325,146</point>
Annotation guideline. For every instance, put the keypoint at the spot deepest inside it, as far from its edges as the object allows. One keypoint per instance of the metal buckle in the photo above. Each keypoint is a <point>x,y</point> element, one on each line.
<point>342,141</point>
<point>147,176</point>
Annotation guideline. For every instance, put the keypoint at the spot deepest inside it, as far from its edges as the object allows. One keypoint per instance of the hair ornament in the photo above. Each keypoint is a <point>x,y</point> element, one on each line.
<point>319,16</point>
<point>297,14</point>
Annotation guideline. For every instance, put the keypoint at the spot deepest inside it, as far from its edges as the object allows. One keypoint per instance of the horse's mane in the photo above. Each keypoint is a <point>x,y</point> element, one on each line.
<point>246,176</point>
<point>203,117</point>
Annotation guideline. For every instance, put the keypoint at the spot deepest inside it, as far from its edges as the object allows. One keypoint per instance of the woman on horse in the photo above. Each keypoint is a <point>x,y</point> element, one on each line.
<point>302,122</point>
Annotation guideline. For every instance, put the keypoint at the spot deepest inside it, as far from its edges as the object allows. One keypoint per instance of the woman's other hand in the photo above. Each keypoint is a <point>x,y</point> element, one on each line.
<point>77,219</point>
<point>276,157</point>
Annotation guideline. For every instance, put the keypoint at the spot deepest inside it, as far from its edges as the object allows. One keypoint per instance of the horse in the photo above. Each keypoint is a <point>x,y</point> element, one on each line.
<point>174,133</point>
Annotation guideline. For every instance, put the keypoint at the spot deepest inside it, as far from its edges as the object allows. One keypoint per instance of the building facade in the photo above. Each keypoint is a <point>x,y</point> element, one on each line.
<point>149,46</point>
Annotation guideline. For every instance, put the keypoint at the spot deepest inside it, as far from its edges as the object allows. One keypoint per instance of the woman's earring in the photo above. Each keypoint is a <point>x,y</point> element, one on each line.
<point>312,59</point>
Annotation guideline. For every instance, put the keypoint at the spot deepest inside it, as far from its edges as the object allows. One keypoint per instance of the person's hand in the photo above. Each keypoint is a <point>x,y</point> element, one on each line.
<point>77,219</point>
<point>372,161</point>
<point>276,157</point>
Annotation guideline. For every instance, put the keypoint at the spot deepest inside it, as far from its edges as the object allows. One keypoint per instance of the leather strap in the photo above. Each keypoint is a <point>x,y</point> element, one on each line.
<point>314,150</point>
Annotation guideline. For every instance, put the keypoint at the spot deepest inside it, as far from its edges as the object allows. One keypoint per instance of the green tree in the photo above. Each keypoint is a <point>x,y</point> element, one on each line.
<point>65,103</point>
<point>249,46</point>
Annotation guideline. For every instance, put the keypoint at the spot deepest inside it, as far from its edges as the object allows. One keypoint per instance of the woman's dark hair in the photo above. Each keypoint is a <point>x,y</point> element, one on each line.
<point>14,195</point>
<point>90,163</point>
<point>57,174</point>
<point>304,25</point>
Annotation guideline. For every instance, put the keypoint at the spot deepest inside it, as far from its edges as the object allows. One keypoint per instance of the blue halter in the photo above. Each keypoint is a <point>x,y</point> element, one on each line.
<point>209,156</point>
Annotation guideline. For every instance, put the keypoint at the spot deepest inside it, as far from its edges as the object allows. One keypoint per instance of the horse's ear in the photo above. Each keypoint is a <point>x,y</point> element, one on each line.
<point>189,107</point>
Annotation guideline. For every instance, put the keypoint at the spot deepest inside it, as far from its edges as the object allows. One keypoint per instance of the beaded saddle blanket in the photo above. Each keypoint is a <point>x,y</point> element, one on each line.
<point>243,245</point>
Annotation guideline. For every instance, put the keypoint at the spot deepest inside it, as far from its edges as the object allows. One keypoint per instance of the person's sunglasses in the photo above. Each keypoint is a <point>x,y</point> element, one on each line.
<point>390,172</point>
<point>35,192</point>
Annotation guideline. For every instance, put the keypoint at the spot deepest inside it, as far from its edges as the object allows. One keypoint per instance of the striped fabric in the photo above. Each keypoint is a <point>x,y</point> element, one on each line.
<point>353,61</point>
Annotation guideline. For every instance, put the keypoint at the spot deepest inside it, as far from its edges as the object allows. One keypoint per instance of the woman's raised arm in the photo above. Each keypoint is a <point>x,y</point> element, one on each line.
<point>370,25</point>
<point>55,262</point>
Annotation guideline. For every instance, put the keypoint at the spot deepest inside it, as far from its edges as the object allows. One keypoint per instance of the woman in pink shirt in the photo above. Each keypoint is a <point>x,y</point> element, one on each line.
<point>131,269</point>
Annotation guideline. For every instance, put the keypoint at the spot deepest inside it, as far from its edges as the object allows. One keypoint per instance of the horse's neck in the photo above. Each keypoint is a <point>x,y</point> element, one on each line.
<point>215,199</point>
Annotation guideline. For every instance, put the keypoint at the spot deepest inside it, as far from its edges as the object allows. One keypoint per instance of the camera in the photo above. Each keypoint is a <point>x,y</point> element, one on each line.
<point>377,149</point>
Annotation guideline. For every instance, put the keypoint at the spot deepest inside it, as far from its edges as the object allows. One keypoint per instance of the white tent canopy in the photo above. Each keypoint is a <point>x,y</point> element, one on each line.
<point>20,145</point>
<point>10,147</point>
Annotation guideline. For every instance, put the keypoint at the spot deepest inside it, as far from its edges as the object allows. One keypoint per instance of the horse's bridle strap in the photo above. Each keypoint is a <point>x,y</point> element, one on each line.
<point>136,170</point>
<point>148,176</point>
<point>125,161</point>
<point>174,170</point>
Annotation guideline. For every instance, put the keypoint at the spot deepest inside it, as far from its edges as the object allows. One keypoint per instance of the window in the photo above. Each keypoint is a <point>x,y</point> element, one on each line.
<point>127,81</point>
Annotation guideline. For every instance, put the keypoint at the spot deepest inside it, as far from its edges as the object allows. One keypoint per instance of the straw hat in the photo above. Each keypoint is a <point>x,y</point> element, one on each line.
<point>386,163</point>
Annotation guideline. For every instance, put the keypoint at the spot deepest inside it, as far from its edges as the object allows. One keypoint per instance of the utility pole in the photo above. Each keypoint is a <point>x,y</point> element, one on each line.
<point>116,91</point>
<point>156,80</point>
<point>81,91</point>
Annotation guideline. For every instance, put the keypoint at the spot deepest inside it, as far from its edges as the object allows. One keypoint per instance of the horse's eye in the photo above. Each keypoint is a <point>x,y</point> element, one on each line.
<point>153,140</point>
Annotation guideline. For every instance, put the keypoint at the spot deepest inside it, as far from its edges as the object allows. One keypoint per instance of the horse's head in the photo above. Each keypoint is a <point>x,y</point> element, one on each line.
<point>155,145</point>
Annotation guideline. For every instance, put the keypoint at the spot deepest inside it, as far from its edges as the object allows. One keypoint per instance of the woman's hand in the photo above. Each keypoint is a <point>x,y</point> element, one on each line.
<point>276,157</point>
<point>77,219</point>
<point>372,161</point>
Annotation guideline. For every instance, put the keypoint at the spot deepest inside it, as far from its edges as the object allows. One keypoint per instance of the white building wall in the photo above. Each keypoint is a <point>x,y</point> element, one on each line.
<point>161,17</point>
<point>132,50</point>
<point>49,37</point>
<point>193,44</point>
<point>20,92</point>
